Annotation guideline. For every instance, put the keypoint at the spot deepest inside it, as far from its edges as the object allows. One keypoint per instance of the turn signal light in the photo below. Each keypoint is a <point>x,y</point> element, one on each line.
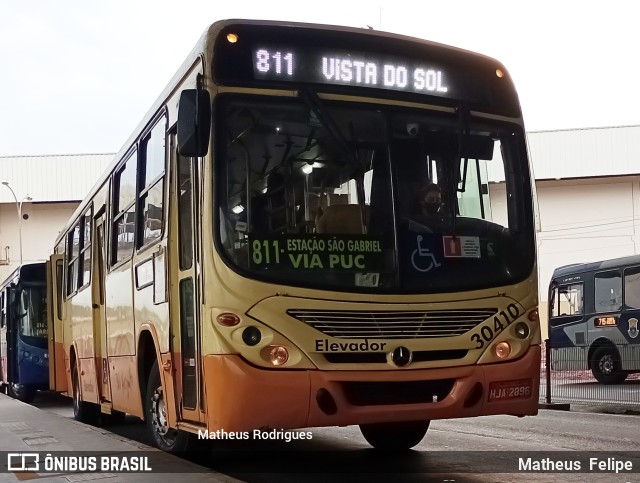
<point>503,349</point>
<point>278,355</point>
<point>228,319</point>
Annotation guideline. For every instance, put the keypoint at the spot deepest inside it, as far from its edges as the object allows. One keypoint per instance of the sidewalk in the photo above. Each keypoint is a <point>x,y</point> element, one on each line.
<point>24,428</point>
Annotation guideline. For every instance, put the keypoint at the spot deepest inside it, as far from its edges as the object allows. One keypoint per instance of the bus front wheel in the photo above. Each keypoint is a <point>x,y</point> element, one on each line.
<point>165,438</point>
<point>606,366</point>
<point>394,436</point>
<point>22,392</point>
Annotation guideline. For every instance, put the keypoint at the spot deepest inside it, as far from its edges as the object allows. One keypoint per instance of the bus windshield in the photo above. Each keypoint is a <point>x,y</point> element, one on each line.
<point>32,311</point>
<point>371,198</point>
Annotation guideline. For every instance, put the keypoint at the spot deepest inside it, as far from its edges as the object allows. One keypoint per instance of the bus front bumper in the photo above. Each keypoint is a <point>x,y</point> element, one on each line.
<point>241,397</point>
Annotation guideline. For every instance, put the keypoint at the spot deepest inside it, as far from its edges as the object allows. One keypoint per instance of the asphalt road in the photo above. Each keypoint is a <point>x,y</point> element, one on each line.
<point>487,449</point>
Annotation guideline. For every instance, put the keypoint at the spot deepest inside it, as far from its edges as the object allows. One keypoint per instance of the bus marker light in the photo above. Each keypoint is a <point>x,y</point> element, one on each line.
<point>251,336</point>
<point>228,319</point>
<point>500,73</point>
<point>522,330</point>
<point>232,38</point>
<point>533,315</point>
<point>502,349</point>
<point>278,355</point>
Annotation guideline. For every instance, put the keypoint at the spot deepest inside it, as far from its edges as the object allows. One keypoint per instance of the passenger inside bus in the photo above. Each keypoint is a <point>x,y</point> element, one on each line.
<point>427,209</point>
<point>429,203</point>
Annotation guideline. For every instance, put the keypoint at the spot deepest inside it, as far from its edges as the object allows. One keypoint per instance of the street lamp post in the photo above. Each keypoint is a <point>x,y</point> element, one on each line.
<point>19,208</point>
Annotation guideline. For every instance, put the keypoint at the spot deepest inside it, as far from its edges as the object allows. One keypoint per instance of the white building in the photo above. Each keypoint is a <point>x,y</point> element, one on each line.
<point>47,190</point>
<point>588,187</point>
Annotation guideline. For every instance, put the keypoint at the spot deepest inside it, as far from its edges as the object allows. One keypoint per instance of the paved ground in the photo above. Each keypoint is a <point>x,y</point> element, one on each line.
<point>24,429</point>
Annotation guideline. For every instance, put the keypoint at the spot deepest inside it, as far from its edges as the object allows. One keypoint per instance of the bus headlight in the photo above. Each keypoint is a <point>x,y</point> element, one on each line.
<point>502,350</point>
<point>278,355</point>
<point>522,330</point>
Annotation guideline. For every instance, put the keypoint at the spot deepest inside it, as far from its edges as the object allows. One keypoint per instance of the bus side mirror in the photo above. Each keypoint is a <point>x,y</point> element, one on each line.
<point>194,122</point>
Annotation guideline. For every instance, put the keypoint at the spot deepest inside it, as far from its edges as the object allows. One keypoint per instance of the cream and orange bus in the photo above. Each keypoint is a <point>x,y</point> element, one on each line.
<point>260,253</point>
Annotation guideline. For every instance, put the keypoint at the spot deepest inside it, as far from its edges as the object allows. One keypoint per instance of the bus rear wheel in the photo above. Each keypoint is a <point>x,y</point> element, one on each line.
<point>606,366</point>
<point>394,436</point>
<point>164,437</point>
<point>21,392</point>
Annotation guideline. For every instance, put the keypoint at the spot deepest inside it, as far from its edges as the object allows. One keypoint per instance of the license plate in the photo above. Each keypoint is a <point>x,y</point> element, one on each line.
<point>505,390</point>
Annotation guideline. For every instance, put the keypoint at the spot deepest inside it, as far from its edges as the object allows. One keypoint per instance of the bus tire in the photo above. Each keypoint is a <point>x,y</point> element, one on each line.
<point>21,392</point>
<point>606,366</point>
<point>164,437</point>
<point>394,436</point>
<point>83,411</point>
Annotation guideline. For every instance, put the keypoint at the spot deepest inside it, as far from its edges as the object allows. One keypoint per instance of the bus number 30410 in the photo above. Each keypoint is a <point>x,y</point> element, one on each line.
<point>500,322</point>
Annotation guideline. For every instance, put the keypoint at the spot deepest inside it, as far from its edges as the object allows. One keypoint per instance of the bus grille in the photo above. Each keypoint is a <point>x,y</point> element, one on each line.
<point>352,324</point>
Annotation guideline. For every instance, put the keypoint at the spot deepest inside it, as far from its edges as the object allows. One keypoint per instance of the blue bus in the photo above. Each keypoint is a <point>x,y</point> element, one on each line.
<point>23,332</point>
<point>594,310</point>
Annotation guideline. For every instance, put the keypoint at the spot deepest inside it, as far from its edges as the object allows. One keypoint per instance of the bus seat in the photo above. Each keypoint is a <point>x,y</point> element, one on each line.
<point>341,219</point>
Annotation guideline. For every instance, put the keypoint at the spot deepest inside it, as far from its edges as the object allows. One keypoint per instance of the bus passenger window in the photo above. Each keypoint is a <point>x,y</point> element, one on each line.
<point>632,288</point>
<point>73,256</point>
<point>124,210</point>
<point>608,293</point>
<point>152,192</point>
<point>567,300</point>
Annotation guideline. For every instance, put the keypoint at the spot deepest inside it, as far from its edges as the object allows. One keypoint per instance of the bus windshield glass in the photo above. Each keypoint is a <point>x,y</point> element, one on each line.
<point>370,198</point>
<point>32,311</point>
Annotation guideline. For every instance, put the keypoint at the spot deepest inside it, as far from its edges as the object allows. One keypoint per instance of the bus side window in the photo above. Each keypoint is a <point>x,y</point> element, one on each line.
<point>124,210</point>
<point>608,291</point>
<point>152,187</point>
<point>2,309</point>
<point>567,300</point>
<point>73,258</point>
<point>632,288</point>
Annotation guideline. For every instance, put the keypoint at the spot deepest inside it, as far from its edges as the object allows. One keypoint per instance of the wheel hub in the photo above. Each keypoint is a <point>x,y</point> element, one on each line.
<point>159,412</point>
<point>606,364</point>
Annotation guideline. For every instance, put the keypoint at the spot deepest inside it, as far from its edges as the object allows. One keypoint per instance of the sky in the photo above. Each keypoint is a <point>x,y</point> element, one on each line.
<point>77,76</point>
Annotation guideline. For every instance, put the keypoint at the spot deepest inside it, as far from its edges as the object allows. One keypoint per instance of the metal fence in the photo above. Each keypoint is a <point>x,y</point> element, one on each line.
<point>568,379</point>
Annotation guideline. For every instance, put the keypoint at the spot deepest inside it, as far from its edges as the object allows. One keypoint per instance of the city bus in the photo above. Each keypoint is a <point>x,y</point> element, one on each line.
<point>24,353</point>
<point>593,318</point>
<point>254,257</point>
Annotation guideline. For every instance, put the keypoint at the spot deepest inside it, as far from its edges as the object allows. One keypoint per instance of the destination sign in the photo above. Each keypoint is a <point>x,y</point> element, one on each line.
<point>355,253</point>
<point>352,68</point>
<point>343,61</point>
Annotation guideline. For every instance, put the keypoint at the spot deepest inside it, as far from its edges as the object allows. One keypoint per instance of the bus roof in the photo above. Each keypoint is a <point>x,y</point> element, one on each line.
<point>204,45</point>
<point>577,268</point>
<point>28,270</point>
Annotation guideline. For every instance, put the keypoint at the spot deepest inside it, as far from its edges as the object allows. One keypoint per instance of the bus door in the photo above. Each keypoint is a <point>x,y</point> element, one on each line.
<point>3,337</point>
<point>12,334</point>
<point>567,326</point>
<point>98,305</point>
<point>188,353</point>
<point>57,368</point>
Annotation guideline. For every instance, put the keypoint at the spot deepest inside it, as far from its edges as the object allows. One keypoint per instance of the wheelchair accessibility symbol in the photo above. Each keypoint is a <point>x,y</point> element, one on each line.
<point>423,259</point>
